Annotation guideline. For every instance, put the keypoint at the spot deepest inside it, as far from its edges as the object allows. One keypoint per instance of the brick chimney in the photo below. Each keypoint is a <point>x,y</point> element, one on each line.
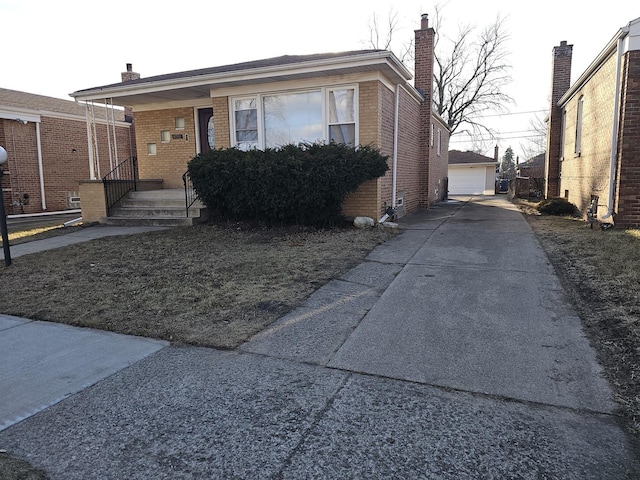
<point>129,74</point>
<point>423,82</point>
<point>495,153</point>
<point>560,83</point>
<point>127,77</point>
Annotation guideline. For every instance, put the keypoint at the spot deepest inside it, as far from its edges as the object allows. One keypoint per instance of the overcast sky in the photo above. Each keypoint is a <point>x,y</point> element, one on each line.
<point>57,47</point>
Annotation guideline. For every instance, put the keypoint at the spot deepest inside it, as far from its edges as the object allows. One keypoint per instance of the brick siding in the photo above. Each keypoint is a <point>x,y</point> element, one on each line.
<point>63,167</point>
<point>628,208</point>
<point>171,159</point>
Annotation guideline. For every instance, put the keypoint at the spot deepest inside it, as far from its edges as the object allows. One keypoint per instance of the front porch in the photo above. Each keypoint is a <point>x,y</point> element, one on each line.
<point>148,205</point>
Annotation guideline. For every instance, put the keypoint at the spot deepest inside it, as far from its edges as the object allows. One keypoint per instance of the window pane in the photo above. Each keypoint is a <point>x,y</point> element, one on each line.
<point>343,134</point>
<point>247,136</point>
<point>245,104</point>
<point>292,118</point>
<point>341,106</point>
<point>246,119</point>
<point>210,136</point>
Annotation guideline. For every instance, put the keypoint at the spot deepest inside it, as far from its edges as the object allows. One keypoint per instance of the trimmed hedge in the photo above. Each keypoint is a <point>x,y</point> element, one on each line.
<point>557,206</point>
<point>303,184</point>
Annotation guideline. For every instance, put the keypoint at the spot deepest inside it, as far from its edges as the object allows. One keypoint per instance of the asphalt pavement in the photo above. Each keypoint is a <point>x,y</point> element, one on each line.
<point>450,352</point>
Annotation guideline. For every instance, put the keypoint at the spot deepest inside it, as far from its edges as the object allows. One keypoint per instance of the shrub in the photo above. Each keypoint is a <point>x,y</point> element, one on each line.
<point>557,206</point>
<point>303,184</point>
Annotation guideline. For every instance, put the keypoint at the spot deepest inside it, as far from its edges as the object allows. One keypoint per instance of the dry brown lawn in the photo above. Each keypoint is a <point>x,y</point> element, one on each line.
<point>600,271</point>
<point>208,285</point>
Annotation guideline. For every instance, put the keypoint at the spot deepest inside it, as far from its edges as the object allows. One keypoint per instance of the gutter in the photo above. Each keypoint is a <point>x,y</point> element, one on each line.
<point>613,161</point>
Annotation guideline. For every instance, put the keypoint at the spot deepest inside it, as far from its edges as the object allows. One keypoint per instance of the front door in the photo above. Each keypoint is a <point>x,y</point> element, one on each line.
<point>205,129</point>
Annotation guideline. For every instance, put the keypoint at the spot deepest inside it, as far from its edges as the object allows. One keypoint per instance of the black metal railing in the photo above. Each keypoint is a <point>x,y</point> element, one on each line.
<point>120,181</point>
<point>190,195</point>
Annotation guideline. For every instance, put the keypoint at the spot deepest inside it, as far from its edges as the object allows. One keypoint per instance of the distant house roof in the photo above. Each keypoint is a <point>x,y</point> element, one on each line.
<point>198,83</point>
<point>457,157</point>
<point>534,162</point>
<point>13,103</point>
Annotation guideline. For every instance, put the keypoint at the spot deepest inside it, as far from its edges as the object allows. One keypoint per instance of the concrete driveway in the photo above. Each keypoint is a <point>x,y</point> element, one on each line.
<point>449,353</point>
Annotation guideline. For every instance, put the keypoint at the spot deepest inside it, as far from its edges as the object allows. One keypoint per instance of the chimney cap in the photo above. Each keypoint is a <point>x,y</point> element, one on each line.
<point>129,67</point>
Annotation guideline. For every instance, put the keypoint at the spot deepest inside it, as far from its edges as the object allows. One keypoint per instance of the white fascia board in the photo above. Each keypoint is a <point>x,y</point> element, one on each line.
<point>473,165</point>
<point>317,66</point>
<point>19,114</point>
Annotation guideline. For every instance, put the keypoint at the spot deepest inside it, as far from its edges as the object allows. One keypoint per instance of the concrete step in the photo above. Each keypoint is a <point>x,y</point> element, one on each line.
<point>150,222</point>
<point>156,208</point>
<point>154,211</point>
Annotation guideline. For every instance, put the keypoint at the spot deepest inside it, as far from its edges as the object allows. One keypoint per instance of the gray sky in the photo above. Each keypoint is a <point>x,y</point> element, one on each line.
<point>56,47</point>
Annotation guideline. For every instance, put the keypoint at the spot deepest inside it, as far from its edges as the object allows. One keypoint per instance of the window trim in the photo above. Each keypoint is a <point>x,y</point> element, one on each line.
<point>325,106</point>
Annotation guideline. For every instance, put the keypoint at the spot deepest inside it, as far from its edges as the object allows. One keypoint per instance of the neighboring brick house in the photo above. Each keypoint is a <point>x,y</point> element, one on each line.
<point>593,139</point>
<point>358,97</point>
<point>471,173</point>
<point>46,143</point>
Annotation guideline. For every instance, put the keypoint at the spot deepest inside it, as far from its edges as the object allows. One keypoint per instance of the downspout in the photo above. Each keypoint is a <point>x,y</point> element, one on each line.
<point>394,181</point>
<point>394,169</point>
<point>613,163</point>
<point>92,173</point>
<point>40,168</point>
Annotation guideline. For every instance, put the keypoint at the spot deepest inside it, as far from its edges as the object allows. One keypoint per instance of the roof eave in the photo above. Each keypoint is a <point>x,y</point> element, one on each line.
<point>395,68</point>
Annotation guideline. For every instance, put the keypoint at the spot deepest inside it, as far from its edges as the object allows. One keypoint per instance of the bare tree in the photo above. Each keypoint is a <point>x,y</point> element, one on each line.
<point>386,40</point>
<point>470,71</point>
<point>470,74</point>
<point>536,143</point>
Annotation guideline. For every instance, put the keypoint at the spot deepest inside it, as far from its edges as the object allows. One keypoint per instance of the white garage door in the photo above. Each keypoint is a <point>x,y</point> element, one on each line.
<point>467,180</point>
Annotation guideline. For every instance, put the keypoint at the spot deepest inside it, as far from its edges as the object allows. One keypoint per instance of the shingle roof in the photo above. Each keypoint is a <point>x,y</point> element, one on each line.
<point>457,157</point>
<point>267,62</point>
<point>42,104</point>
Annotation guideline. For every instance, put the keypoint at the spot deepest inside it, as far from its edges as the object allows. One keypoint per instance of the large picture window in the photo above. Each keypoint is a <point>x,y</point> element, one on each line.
<point>272,120</point>
<point>293,117</point>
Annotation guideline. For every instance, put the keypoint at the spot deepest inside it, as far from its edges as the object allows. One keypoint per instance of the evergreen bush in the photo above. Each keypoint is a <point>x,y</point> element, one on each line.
<point>303,184</point>
<point>557,206</point>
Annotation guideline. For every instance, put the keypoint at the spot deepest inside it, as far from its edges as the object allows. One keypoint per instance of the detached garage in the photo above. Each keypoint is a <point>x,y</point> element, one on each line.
<point>471,173</point>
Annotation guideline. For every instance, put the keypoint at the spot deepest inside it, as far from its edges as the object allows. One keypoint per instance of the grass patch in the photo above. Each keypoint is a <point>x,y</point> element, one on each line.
<point>600,271</point>
<point>208,285</point>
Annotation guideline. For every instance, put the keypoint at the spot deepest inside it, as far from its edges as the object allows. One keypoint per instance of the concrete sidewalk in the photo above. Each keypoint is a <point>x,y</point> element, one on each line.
<point>450,353</point>
<point>81,235</point>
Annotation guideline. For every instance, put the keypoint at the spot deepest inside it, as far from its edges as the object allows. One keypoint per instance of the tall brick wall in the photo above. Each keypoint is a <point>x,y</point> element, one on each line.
<point>587,173</point>
<point>171,159</point>
<point>410,156</point>
<point>560,83</point>
<point>64,161</point>
<point>628,207</point>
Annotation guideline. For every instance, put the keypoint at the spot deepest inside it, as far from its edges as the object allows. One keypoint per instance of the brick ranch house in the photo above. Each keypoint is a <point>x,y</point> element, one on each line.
<point>593,136</point>
<point>46,143</point>
<point>358,97</point>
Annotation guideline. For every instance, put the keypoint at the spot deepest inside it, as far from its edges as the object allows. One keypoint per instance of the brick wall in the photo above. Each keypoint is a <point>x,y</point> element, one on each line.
<point>171,159</point>
<point>366,201</point>
<point>64,161</point>
<point>587,174</point>
<point>438,162</point>
<point>628,207</point>
<point>410,168</point>
<point>221,129</point>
